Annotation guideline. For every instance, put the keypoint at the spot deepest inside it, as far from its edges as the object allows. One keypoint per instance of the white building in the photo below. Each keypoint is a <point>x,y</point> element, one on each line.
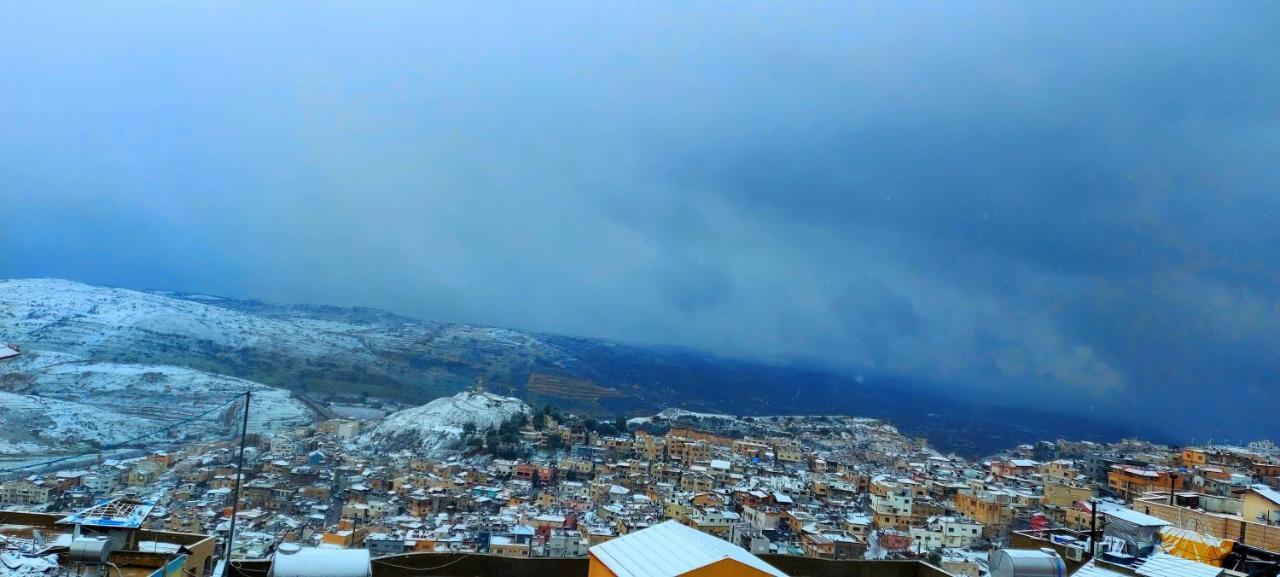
<point>98,484</point>
<point>948,532</point>
<point>566,543</point>
<point>282,446</point>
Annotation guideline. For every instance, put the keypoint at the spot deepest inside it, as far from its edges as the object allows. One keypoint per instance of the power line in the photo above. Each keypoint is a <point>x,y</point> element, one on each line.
<point>126,442</point>
<point>390,564</point>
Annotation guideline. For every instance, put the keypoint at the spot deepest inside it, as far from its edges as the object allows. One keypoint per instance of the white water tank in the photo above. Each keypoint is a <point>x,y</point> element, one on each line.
<point>1026,563</point>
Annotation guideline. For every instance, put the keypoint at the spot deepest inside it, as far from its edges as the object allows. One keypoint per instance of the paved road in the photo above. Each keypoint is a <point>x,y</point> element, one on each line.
<point>321,411</point>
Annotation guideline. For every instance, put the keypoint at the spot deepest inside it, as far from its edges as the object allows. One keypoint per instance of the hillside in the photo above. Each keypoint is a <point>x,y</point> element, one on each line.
<point>437,427</point>
<point>322,350</point>
<point>55,402</point>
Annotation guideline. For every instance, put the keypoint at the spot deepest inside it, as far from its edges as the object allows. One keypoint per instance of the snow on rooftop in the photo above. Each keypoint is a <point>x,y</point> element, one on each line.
<point>1266,493</point>
<point>1165,565</point>
<point>669,549</point>
<point>1131,516</point>
<point>14,564</point>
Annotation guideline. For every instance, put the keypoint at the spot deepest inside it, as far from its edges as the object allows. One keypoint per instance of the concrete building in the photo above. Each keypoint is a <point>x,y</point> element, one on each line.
<point>951,532</point>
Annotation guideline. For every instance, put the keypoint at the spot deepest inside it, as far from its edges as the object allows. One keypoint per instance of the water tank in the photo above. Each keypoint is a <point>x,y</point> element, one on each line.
<point>90,550</point>
<point>1026,563</point>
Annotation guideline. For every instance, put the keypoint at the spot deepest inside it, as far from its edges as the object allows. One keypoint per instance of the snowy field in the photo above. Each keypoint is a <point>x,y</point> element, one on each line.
<point>54,402</point>
<point>81,318</point>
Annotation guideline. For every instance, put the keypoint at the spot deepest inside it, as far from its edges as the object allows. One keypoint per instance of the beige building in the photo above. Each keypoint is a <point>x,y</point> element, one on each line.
<point>23,493</point>
<point>1222,517</point>
<point>503,546</point>
<point>993,510</point>
<point>1262,505</point>
<point>1064,495</point>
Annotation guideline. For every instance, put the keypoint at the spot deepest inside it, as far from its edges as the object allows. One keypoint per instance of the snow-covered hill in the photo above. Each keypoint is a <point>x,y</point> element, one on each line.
<point>57,402</point>
<point>322,350</point>
<point>102,364</point>
<point>292,346</point>
<point>436,428</point>
<point>87,320</point>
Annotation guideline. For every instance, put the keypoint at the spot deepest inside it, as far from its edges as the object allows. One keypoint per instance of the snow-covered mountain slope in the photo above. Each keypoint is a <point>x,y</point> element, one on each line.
<point>35,424</point>
<point>436,428</point>
<point>57,401</point>
<point>319,350</point>
<point>85,320</point>
<point>322,349</point>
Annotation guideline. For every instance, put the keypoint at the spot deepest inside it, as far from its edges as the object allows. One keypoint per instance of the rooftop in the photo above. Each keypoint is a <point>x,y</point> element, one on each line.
<point>37,544</point>
<point>118,513</point>
<point>669,549</point>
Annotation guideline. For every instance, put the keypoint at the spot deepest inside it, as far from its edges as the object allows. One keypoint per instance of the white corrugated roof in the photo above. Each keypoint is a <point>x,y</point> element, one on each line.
<point>1267,493</point>
<point>1166,565</point>
<point>1127,514</point>
<point>669,549</point>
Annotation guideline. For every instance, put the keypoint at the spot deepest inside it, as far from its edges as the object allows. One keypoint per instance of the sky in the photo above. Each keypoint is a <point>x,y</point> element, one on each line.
<point>1071,205</point>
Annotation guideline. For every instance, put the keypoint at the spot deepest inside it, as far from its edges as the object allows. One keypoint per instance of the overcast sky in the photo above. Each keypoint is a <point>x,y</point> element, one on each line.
<point>1074,206</point>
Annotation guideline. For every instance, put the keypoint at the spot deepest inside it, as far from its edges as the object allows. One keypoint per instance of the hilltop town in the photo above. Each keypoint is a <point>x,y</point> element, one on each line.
<point>479,472</point>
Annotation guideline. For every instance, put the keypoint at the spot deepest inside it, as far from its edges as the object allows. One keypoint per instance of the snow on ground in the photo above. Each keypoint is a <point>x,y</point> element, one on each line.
<point>33,360</point>
<point>679,414</point>
<point>83,318</point>
<point>435,428</point>
<point>33,424</point>
<point>20,447</point>
<point>62,405</point>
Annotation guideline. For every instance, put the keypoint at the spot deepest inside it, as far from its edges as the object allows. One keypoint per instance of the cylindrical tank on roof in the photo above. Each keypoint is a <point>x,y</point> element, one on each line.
<point>1026,563</point>
<point>90,550</point>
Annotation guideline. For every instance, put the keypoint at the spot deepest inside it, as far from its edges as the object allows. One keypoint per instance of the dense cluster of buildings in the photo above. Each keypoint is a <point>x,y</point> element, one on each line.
<point>823,487</point>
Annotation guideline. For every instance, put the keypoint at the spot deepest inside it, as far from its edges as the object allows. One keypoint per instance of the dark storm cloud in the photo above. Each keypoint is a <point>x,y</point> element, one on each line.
<point>1066,206</point>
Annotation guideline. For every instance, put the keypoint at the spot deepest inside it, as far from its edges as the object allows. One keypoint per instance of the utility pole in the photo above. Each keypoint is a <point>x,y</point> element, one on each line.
<point>235,503</point>
<point>1171,477</point>
<point>1093,528</point>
